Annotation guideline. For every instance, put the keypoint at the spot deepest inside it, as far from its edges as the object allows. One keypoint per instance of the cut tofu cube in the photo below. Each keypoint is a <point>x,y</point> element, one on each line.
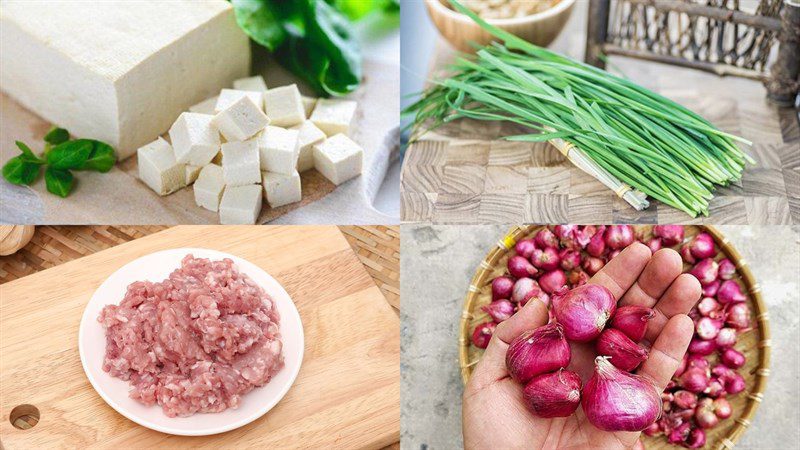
<point>309,135</point>
<point>281,189</point>
<point>240,164</point>
<point>241,120</point>
<point>205,107</point>
<point>227,97</point>
<point>338,158</point>
<point>255,84</point>
<point>279,150</point>
<point>284,106</point>
<point>308,104</point>
<point>159,169</point>
<point>208,187</point>
<point>240,205</point>
<point>191,173</point>
<point>194,139</point>
<point>334,116</point>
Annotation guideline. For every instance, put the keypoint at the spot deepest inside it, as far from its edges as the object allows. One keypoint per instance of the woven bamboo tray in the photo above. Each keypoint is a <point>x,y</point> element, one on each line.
<point>755,344</point>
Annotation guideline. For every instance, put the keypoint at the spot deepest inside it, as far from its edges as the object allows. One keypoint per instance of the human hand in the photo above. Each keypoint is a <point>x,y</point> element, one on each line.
<point>493,412</point>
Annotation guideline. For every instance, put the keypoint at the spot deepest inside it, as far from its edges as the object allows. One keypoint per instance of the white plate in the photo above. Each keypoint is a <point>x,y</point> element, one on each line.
<point>156,267</point>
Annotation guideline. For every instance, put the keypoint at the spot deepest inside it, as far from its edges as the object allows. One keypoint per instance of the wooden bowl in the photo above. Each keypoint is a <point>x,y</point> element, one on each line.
<point>540,28</point>
<point>755,344</point>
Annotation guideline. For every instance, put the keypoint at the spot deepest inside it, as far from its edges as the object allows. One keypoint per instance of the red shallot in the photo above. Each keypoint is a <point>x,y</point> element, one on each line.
<point>592,265</point>
<point>618,237</point>
<point>738,315</point>
<point>632,320</point>
<point>708,328</point>
<point>686,254</point>
<point>705,271</point>
<point>499,310</point>
<point>726,338</point>
<point>623,352</point>
<point>654,245</point>
<point>669,234</point>
<point>553,280</point>
<point>502,288</point>
<point>525,247</point>
<point>483,334</point>
<point>722,408</point>
<point>545,238</point>
<point>734,384</point>
<point>597,245</point>
<point>570,259</point>
<point>704,415</point>
<point>702,246</point>
<point>680,434</point>
<point>694,380</point>
<point>546,258</point>
<point>726,269</point>
<point>520,267</point>
<point>615,400</point>
<point>536,352</point>
<point>685,399</point>
<point>523,290</point>
<point>584,311</point>
<point>715,388</point>
<point>702,347</point>
<point>555,394</point>
<point>708,306</point>
<point>696,438</point>
<point>710,290</point>
<point>577,277</point>
<point>730,292</point>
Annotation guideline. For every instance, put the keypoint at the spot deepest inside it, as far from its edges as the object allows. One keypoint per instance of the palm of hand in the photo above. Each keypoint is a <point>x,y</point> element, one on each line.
<point>494,414</point>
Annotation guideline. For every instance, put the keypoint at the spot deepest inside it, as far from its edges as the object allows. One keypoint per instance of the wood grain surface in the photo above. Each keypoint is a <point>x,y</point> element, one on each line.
<point>464,173</point>
<point>346,396</point>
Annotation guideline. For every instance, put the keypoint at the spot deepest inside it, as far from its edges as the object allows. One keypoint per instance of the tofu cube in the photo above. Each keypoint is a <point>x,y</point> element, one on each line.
<point>205,107</point>
<point>308,104</point>
<point>282,189</point>
<point>208,187</point>
<point>227,97</point>
<point>240,205</point>
<point>334,116</point>
<point>241,120</point>
<point>255,84</point>
<point>191,173</point>
<point>338,158</point>
<point>309,135</point>
<point>284,106</point>
<point>240,165</point>
<point>279,150</point>
<point>159,169</point>
<point>194,139</point>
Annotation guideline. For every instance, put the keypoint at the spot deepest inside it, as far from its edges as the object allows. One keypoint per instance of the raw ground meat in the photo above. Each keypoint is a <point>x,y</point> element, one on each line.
<point>195,342</point>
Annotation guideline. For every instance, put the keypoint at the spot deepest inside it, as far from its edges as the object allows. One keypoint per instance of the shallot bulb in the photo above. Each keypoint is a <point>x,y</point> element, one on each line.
<point>726,269</point>
<point>710,290</point>
<point>502,288</point>
<point>730,292</point>
<point>584,311</point>
<point>704,415</point>
<point>570,259</point>
<point>520,267</point>
<point>694,380</point>
<point>499,310</point>
<point>702,347</point>
<point>738,315</point>
<point>726,338</point>
<point>536,352</point>
<point>525,247</point>
<point>732,358</point>
<point>623,352</point>
<point>483,334</point>
<point>592,265</point>
<point>708,328</point>
<point>546,258</point>
<point>654,245</point>
<point>698,361</point>
<point>555,394</point>
<point>584,234</point>
<point>632,320</point>
<point>685,399</point>
<point>679,434</point>
<point>670,234</point>
<point>722,408</point>
<point>615,400</point>
<point>545,238</point>
<point>597,245</point>
<point>619,236</point>
<point>553,280</point>
<point>577,277</point>
<point>614,254</point>
<point>705,271</point>
<point>696,438</point>
<point>681,367</point>
<point>702,246</point>
<point>686,254</point>
<point>734,384</point>
<point>523,290</point>
<point>708,306</point>
<point>715,388</point>
<point>653,430</point>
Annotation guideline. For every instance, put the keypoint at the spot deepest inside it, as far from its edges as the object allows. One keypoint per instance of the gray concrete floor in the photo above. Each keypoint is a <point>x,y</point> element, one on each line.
<point>439,261</point>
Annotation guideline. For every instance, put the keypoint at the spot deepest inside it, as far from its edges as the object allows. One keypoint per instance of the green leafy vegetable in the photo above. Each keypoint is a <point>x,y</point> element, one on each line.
<point>101,159</point>
<point>27,154</point>
<point>56,136</point>
<point>19,171</point>
<point>59,182</point>
<point>358,9</point>
<point>70,154</point>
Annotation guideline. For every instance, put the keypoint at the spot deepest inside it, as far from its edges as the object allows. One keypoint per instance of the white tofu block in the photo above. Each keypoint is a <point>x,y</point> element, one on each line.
<point>194,139</point>
<point>205,107</point>
<point>159,169</point>
<point>192,173</point>
<point>282,189</point>
<point>227,97</point>
<point>334,116</point>
<point>255,84</point>
<point>240,205</point>
<point>279,150</point>
<point>284,107</point>
<point>308,104</point>
<point>208,187</point>
<point>240,164</point>
<point>338,158</point>
<point>118,71</point>
<point>240,121</point>
<point>309,135</point>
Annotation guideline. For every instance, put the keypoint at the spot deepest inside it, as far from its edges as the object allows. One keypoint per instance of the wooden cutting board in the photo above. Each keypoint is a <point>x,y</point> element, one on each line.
<point>347,394</point>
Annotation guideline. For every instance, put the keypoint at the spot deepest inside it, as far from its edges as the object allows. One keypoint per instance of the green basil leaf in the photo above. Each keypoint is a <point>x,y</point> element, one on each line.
<point>259,20</point>
<point>59,182</point>
<point>101,159</point>
<point>20,171</point>
<point>56,136</point>
<point>70,155</point>
<point>27,154</point>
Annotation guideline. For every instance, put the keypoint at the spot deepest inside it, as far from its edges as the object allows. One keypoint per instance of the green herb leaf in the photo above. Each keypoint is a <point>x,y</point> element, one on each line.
<point>101,159</point>
<point>18,170</point>
<point>56,136</point>
<point>27,154</point>
<point>59,182</point>
<point>259,20</point>
<point>70,155</point>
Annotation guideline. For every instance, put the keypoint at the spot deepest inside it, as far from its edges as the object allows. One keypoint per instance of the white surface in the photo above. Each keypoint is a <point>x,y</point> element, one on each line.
<point>208,187</point>
<point>227,97</point>
<point>194,138</point>
<point>240,164</point>
<point>156,267</point>
<point>338,158</point>
<point>279,150</point>
<point>158,168</point>
<point>309,135</point>
<point>241,120</point>
<point>284,106</point>
<point>192,172</point>
<point>282,189</point>
<point>118,71</point>
<point>256,84</point>
<point>240,205</point>
<point>206,106</point>
<point>334,116</point>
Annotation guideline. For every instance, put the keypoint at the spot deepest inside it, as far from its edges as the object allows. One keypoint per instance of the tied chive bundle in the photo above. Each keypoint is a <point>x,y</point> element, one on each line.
<point>646,140</point>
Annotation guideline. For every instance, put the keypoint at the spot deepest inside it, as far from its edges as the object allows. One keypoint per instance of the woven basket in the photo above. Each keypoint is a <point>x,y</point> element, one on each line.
<point>755,344</point>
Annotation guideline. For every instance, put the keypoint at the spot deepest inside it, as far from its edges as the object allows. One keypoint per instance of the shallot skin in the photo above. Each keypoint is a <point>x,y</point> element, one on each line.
<point>615,400</point>
<point>632,320</point>
<point>623,352</point>
<point>537,351</point>
<point>483,334</point>
<point>584,311</point>
<point>555,394</point>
